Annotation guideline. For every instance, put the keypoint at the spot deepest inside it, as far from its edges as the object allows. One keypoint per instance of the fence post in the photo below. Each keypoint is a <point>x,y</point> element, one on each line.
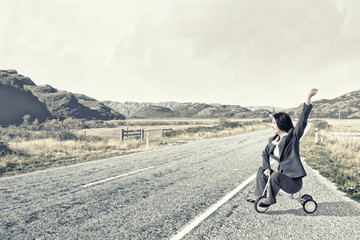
<point>147,140</point>
<point>162,133</point>
<point>316,135</point>
<point>142,134</point>
<point>122,135</point>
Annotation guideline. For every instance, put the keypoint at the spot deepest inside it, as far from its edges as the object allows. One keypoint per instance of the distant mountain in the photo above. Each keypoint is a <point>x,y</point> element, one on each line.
<point>346,106</point>
<point>184,110</point>
<point>269,108</point>
<point>20,96</point>
<point>199,110</point>
<point>154,112</point>
<point>130,108</point>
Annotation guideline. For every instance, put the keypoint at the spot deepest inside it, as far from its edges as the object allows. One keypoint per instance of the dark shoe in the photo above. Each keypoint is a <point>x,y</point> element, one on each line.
<point>264,205</point>
<point>250,200</point>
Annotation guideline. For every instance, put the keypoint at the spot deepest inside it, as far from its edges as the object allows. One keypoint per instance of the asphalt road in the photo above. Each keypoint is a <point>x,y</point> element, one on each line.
<point>155,194</point>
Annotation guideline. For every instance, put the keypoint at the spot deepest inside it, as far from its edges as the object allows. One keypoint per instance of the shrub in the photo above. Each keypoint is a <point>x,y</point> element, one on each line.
<point>109,124</point>
<point>321,124</point>
<point>4,149</point>
<point>73,124</point>
<point>233,125</point>
<point>51,125</point>
<point>66,135</point>
<point>12,132</point>
<point>267,120</point>
<point>34,126</point>
<point>94,124</point>
<point>26,121</point>
<point>223,121</point>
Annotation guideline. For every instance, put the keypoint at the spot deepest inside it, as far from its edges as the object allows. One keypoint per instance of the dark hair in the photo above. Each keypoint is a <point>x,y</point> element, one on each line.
<point>283,121</point>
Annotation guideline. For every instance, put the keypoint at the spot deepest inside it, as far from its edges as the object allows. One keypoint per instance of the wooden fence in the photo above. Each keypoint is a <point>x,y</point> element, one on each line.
<point>140,133</point>
<point>128,133</point>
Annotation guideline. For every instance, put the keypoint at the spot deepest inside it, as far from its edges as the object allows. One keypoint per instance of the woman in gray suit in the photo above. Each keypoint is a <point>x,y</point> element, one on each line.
<point>284,148</point>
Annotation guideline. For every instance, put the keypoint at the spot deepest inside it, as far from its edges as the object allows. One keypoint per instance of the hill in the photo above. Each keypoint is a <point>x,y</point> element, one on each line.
<point>186,110</point>
<point>20,96</point>
<point>154,112</point>
<point>346,106</point>
<point>269,108</point>
<point>199,110</point>
<point>130,108</point>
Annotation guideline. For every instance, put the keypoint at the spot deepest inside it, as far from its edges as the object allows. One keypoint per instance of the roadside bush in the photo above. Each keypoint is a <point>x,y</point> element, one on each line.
<point>26,121</point>
<point>223,121</point>
<point>267,120</point>
<point>228,124</point>
<point>4,150</point>
<point>59,125</point>
<point>202,129</point>
<point>109,124</point>
<point>12,132</point>
<point>233,125</point>
<point>173,133</point>
<point>34,126</point>
<point>51,125</point>
<point>66,135</point>
<point>321,124</point>
<point>73,124</point>
<point>90,138</point>
<point>94,124</point>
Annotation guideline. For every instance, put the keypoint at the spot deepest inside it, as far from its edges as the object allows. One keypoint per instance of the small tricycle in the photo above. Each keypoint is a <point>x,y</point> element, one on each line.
<point>308,203</point>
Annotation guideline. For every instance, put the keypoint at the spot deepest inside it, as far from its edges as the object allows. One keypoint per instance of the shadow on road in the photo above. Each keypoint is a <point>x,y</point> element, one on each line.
<point>336,209</point>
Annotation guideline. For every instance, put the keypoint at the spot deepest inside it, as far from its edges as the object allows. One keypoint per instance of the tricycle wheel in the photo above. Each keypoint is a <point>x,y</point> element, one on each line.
<point>306,197</point>
<point>310,206</point>
<point>258,208</point>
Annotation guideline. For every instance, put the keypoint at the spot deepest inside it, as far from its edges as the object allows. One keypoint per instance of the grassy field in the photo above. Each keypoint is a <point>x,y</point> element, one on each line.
<point>337,157</point>
<point>32,147</point>
<point>182,130</point>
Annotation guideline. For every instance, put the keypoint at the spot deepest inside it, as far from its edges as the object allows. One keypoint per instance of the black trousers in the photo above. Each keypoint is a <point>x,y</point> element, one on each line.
<point>277,181</point>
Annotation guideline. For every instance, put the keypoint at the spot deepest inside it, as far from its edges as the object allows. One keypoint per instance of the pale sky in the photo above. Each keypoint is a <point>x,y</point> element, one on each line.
<point>241,52</point>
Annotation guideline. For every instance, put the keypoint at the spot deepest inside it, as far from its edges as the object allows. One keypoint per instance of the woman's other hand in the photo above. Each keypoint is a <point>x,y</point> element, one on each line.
<point>267,172</point>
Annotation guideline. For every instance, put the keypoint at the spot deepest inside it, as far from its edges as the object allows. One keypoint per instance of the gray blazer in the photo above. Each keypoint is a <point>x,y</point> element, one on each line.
<point>289,161</point>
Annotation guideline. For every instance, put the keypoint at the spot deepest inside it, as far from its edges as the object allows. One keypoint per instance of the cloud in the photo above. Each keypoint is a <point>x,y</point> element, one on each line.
<point>208,51</point>
<point>250,39</point>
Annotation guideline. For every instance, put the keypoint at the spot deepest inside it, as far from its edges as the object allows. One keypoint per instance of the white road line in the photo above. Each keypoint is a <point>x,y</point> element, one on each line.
<point>197,220</point>
<point>119,176</point>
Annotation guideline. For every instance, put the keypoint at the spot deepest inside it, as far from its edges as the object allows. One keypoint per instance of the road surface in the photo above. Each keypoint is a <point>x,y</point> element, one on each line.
<point>159,193</point>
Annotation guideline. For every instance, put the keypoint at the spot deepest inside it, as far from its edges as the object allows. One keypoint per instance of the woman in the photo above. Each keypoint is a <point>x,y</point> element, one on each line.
<point>284,148</point>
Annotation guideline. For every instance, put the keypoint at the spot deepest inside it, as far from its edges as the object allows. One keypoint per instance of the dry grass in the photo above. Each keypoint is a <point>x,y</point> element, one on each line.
<point>43,153</point>
<point>32,154</point>
<point>338,156</point>
<point>344,125</point>
<point>154,130</point>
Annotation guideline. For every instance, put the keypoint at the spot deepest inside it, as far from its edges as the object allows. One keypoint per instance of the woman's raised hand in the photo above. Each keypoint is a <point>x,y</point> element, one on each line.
<point>313,92</point>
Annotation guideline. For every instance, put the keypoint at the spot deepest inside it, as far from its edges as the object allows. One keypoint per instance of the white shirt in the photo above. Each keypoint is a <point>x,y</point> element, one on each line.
<point>276,142</point>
